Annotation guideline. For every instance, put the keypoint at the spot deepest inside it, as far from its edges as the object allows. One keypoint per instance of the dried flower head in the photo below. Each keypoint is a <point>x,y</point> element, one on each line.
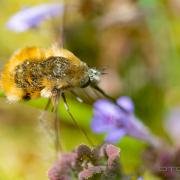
<point>85,163</point>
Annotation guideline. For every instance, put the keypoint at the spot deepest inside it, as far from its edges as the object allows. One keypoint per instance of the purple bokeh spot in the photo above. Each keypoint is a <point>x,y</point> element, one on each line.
<point>33,16</point>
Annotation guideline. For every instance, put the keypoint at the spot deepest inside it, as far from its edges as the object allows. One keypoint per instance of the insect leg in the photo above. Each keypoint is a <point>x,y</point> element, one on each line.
<point>55,101</point>
<point>47,105</point>
<point>77,97</point>
<point>57,129</point>
<point>74,121</point>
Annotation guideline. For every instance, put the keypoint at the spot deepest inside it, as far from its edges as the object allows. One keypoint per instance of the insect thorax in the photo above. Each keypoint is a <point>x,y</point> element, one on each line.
<point>30,73</point>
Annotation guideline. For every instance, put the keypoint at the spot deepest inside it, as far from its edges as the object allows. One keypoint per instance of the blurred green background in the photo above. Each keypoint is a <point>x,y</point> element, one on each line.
<point>136,41</point>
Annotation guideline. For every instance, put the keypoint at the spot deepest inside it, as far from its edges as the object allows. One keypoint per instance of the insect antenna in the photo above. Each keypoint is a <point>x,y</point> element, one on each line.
<point>74,121</point>
<point>103,71</point>
<point>97,88</point>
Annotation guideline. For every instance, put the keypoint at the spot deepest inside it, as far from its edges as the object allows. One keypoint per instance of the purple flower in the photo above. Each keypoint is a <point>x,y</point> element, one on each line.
<point>111,119</point>
<point>32,17</point>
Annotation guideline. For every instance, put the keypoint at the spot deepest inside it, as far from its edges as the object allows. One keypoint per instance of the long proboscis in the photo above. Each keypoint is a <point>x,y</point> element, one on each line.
<point>108,97</point>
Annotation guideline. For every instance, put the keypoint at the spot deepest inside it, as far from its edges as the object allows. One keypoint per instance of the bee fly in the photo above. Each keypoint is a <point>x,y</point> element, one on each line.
<point>34,72</point>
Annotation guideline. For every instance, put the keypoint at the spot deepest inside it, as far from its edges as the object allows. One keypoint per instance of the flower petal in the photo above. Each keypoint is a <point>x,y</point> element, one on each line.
<point>115,136</point>
<point>101,124</point>
<point>106,107</point>
<point>105,116</point>
<point>127,103</point>
<point>137,129</point>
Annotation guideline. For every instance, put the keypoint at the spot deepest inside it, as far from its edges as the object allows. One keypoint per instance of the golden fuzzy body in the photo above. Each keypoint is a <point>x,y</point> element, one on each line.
<point>34,72</point>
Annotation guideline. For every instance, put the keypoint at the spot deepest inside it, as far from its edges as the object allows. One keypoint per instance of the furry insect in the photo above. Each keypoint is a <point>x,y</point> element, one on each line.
<point>34,72</point>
